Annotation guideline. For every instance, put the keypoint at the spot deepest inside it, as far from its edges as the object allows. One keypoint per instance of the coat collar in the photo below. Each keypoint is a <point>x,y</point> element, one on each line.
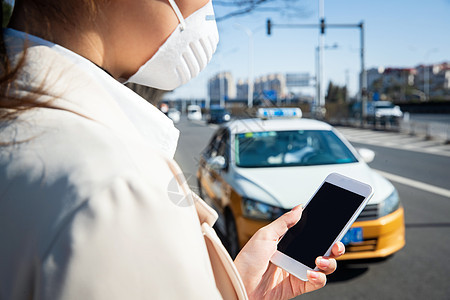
<point>77,85</point>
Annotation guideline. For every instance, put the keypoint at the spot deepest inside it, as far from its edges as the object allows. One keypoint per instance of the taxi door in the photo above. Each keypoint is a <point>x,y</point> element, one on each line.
<point>213,168</point>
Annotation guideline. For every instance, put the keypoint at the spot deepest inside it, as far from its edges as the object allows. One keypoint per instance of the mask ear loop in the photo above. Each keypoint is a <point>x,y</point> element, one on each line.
<point>178,13</point>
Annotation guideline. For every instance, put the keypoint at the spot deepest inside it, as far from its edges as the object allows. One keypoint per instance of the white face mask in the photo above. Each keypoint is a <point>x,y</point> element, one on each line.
<point>185,53</point>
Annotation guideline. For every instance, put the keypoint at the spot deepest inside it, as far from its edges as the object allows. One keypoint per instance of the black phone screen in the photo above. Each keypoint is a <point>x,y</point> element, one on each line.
<point>322,220</point>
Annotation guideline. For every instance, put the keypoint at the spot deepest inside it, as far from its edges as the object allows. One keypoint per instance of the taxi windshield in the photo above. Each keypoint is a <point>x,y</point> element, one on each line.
<point>290,148</point>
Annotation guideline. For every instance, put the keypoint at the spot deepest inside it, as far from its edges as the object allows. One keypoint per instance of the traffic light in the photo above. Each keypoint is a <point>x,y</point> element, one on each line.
<point>322,26</point>
<point>269,26</point>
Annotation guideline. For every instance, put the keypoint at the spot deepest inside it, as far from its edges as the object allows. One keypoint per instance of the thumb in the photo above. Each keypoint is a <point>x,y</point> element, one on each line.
<point>278,228</point>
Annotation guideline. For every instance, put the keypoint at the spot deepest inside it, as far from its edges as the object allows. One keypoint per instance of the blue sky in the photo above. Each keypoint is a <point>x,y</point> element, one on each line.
<point>398,33</point>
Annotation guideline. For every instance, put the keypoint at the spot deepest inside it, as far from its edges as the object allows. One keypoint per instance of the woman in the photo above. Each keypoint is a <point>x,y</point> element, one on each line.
<point>85,163</point>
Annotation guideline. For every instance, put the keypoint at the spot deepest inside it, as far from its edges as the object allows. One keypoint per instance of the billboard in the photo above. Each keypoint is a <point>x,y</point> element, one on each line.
<point>297,79</point>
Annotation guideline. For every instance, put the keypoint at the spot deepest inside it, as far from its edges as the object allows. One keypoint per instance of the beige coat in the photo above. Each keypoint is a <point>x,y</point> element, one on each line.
<point>85,204</point>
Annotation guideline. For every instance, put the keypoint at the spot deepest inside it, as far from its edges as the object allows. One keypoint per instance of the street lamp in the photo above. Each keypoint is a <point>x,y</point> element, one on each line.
<point>426,75</point>
<point>250,63</point>
<point>320,49</point>
<point>322,26</point>
<point>319,75</point>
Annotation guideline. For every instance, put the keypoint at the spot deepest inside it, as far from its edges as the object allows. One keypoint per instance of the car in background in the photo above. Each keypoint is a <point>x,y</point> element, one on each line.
<point>174,114</point>
<point>218,115</point>
<point>194,113</point>
<point>379,112</point>
<point>254,170</point>
<point>384,112</point>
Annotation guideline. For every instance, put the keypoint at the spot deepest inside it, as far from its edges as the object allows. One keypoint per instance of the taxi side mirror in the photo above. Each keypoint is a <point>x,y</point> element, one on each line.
<point>366,154</point>
<point>217,162</point>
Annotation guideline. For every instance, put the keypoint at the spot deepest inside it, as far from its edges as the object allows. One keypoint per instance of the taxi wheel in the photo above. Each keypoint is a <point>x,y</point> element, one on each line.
<point>232,244</point>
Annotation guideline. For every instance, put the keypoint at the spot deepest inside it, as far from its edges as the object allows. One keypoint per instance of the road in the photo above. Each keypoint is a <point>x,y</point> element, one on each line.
<point>421,269</point>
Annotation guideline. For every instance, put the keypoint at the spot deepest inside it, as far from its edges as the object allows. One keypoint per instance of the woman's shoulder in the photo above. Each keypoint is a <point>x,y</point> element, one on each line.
<point>57,170</point>
<point>58,145</point>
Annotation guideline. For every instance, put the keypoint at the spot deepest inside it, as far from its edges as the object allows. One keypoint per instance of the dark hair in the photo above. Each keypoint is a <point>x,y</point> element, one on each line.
<point>44,13</point>
<point>10,105</point>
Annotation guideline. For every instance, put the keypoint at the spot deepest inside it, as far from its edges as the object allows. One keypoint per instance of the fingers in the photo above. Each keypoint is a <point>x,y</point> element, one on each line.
<point>327,265</point>
<point>337,250</point>
<point>277,228</point>
<point>317,280</point>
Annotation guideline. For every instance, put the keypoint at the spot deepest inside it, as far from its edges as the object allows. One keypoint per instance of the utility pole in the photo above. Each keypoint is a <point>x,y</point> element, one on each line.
<point>250,64</point>
<point>208,98</point>
<point>426,82</point>
<point>321,96</point>
<point>363,81</point>
<point>222,89</point>
<point>319,75</point>
<point>347,83</point>
<point>426,74</point>
<point>362,94</point>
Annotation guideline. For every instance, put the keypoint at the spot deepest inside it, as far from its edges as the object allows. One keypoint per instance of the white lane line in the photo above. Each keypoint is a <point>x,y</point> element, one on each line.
<point>409,147</point>
<point>379,138</point>
<point>388,144</point>
<point>426,144</point>
<point>198,122</point>
<point>364,135</point>
<point>416,184</point>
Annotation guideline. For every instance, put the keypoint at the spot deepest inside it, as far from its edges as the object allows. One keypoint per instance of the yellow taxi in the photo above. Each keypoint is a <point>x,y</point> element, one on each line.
<point>254,170</point>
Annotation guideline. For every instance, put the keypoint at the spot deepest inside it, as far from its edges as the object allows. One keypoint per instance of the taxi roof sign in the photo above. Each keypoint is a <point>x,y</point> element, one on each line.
<point>276,112</point>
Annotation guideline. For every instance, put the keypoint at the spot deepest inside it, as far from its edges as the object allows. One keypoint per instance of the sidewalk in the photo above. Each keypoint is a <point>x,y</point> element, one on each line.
<point>427,130</point>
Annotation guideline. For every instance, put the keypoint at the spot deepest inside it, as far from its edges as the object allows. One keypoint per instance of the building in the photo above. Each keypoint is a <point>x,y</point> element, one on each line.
<point>434,79</point>
<point>390,83</point>
<point>374,79</point>
<point>422,82</point>
<point>273,84</point>
<point>242,89</point>
<point>221,86</point>
<point>380,79</point>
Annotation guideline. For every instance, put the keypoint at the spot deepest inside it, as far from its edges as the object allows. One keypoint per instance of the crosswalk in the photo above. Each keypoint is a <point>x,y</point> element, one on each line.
<point>395,140</point>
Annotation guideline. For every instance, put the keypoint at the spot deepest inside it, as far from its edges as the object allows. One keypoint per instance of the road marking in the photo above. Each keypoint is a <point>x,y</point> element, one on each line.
<point>424,144</point>
<point>416,184</point>
<point>198,122</point>
<point>404,144</point>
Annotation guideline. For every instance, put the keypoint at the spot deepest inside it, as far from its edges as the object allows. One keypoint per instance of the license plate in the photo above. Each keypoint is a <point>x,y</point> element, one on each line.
<point>353,235</point>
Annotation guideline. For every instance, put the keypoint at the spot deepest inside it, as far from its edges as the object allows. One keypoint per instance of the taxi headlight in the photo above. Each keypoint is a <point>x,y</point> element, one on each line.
<point>390,204</point>
<point>261,211</point>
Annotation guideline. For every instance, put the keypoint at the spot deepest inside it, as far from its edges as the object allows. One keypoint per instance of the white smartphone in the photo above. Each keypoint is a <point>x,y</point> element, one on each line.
<point>325,219</point>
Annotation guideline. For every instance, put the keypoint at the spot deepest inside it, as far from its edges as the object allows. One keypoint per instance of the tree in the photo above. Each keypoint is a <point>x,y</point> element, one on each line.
<point>377,85</point>
<point>335,93</point>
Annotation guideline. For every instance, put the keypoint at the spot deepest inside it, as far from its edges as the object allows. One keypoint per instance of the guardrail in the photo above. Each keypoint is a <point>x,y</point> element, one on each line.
<point>428,130</point>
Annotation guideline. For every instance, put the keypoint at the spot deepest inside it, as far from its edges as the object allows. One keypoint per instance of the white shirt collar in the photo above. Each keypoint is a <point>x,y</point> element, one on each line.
<point>149,121</point>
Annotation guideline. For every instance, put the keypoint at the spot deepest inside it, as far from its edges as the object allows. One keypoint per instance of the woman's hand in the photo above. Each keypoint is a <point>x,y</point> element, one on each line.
<point>264,280</point>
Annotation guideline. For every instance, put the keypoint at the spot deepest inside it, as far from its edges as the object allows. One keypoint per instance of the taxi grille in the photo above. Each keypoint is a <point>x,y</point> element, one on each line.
<point>370,212</point>
<point>366,245</point>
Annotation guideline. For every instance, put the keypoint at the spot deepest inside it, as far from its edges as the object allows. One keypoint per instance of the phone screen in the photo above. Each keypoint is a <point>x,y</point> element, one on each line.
<point>322,220</point>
